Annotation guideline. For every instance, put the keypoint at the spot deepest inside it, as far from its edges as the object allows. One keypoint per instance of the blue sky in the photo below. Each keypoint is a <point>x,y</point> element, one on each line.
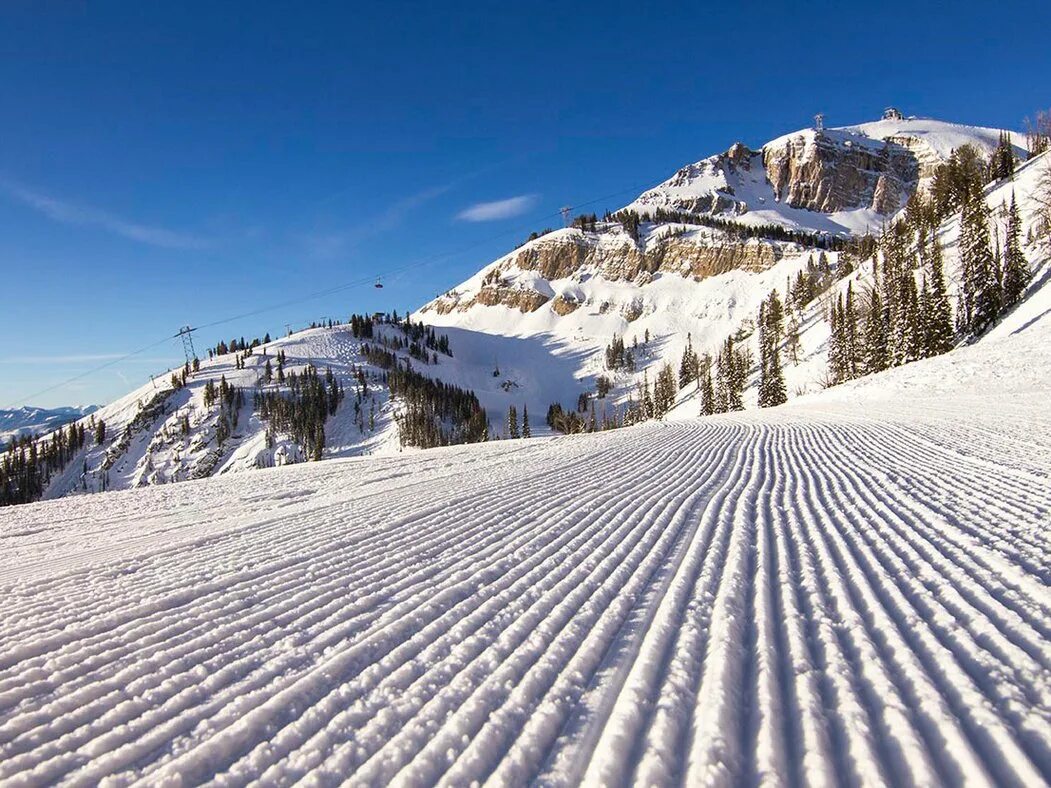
<point>163,164</point>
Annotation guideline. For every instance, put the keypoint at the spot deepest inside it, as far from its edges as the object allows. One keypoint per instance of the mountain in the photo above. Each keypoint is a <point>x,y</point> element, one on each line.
<point>699,273</point>
<point>33,421</point>
<point>823,186</point>
<point>685,265</point>
<point>850,589</point>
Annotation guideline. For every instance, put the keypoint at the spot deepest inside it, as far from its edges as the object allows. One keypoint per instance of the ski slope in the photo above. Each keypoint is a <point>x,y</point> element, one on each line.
<point>846,590</point>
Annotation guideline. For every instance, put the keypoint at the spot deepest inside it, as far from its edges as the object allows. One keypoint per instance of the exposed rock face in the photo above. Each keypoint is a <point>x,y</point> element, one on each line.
<point>568,253</point>
<point>719,171</point>
<point>522,299</point>
<point>681,256</point>
<point>563,305</point>
<point>827,173</point>
<point>621,258</point>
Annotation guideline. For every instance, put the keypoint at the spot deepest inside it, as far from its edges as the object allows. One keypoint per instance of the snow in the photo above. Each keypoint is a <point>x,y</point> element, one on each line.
<point>33,421</point>
<point>158,452</point>
<point>756,203</point>
<point>943,137</point>
<point>848,589</point>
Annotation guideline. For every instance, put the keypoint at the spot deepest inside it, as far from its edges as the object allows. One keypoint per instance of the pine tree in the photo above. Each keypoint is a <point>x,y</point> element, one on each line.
<point>688,365</point>
<point>914,338</point>
<point>708,404</point>
<point>775,317</point>
<point>512,422</point>
<point>792,345</point>
<point>1016,268</point>
<point>645,400</point>
<point>938,315</point>
<point>980,285</point>
<point>875,355</point>
<point>732,376</point>
<point>526,432</point>
<point>771,378</point>
<point>849,336</point>
<point>775,393</point>
<point>664,390</point>
<point>835,345</point>
<point>1002,164</point>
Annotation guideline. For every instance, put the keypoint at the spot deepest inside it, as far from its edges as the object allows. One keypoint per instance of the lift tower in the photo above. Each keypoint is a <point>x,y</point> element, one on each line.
<point>186,335</point>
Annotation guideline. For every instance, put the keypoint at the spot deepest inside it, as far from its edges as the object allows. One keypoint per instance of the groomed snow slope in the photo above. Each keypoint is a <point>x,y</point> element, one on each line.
<point>841,591</point>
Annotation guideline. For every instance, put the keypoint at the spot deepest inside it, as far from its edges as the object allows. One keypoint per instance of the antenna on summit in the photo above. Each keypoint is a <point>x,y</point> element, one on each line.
<point>819,121</point>
<point>566,210</point>
<point>186,334</point>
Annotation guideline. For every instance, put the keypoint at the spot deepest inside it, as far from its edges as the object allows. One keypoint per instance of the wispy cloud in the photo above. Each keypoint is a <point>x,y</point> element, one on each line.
<point>85,216</point>
<point>82,358</point>
<point>328,244</point>
<point>498,209</point>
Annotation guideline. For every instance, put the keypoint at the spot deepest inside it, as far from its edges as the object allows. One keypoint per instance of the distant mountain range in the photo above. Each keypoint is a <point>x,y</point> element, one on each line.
<point>29,420</point>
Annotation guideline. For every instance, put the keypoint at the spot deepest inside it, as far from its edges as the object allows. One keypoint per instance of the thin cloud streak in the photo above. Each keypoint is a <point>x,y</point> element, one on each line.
<point>498,209</point>
<point>327,245</point>
<point>84,358</point>
<point>84,216</point>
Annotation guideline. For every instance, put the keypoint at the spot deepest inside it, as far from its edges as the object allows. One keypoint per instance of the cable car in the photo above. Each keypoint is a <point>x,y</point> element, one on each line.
<point>379,284</point>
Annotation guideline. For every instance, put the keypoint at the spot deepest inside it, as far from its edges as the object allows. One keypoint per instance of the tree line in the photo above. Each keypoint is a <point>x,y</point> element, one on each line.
<point>631,220</point>
<point>898,321</point>
<point>29,462</point>
<point>301,411</point>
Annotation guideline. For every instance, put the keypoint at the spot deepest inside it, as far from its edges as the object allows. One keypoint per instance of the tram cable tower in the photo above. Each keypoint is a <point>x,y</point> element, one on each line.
<point>186,334</point>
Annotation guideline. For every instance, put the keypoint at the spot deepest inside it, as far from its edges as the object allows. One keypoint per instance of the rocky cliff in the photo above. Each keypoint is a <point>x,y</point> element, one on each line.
<point>831,171</point>
<point>611,253</point>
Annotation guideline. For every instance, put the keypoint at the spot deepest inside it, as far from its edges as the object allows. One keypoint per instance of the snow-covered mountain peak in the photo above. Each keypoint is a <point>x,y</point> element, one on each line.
<point>842,180</point>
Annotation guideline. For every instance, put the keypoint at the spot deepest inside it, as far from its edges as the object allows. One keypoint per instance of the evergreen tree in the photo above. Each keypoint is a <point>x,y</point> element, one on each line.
<point>981,294</point>
<point>776,393</point>
<point>914,335</point>
<point>688,364</point>
<point>938,314</point>
<point>771,378</point>
<point>708,404</point>
<point>526,432</point>
<point>836,357</point>
<point>876,355</point>
<point>731,378</point>
<point>645,400</point>
<point>512,422</point>
<point>1016,269</point>
<point>1002,164</point>
<point>664,390</point>
<point>792,345</point>
<point>849,336</point>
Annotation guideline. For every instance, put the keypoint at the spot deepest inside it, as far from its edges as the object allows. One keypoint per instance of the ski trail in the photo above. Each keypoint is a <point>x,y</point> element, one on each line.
<point>824,597</point>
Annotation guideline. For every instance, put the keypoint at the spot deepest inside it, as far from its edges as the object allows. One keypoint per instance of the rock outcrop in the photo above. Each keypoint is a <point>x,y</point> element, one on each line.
<point>613,255</point>
<point>830,172</point>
